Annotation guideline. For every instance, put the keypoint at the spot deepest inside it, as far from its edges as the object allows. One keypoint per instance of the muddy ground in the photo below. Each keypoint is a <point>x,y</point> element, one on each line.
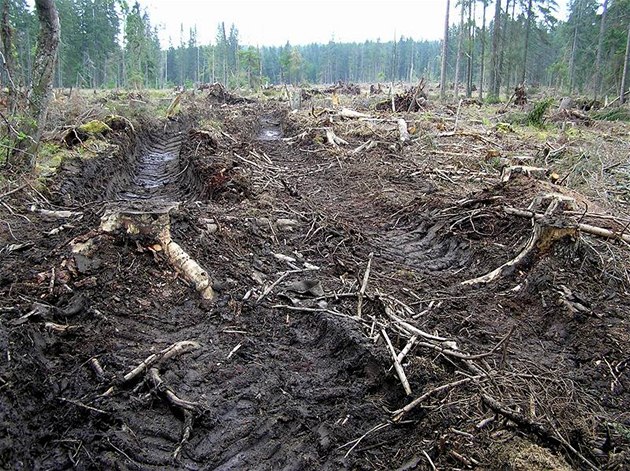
<point>279,370</point>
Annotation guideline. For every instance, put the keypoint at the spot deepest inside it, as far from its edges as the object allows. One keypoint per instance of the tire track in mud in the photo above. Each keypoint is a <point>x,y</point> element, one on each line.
<point>157,171</point>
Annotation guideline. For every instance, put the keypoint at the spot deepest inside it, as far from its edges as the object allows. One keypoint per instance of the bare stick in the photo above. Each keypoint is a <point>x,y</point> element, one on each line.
<point>98,369</point>
<point>84,406</point>
<point>185,434</point>
<point>426,455</point>
<point>366,277</point>
<point>172,398</point>
<point>397,415</point>
<point>410,328</point>
<point>234,350</point>
<point>169,352</point>
<point>403,353</point>
<point>397,366</point>
<point>273,285</point>
<point>14,190</point>
<point>463,356</point>
<point>356,441</point>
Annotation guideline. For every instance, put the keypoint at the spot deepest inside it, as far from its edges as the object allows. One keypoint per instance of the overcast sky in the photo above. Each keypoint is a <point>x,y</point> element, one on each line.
<point>274,22</point>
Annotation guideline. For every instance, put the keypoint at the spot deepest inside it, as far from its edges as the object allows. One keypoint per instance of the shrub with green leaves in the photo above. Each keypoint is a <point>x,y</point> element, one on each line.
<point>536,117</point>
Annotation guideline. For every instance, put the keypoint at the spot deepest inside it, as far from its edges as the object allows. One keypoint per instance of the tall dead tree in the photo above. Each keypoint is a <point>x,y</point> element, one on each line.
<point>597,78</point>
<point>528,27</point>
<point>495,76</point>
<point>460,42</point>
<point>444,53</point>
<point>483,50</point>
<point>40,91</point>
<point>624,76</point>
<point>470,55</point>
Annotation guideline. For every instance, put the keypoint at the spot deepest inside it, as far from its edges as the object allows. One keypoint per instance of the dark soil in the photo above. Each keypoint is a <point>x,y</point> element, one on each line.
<point>287,378</point>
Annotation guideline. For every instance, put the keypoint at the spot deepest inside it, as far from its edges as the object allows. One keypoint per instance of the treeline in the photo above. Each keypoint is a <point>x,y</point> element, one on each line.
<point>490,47</point>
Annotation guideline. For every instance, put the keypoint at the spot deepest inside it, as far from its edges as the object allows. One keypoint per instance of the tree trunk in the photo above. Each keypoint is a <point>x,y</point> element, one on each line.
<point>505,60</point>
<point>8,61</point>
<point>40,92</point>
<point>471,49</point>
<point>572,61</point>
<point>460,42</point>
<point>444,53</point>
<point>483,51</point>
<point>495,77</point>
<point>624,77</point>
<point>597,85</point>
<point>528,27</point>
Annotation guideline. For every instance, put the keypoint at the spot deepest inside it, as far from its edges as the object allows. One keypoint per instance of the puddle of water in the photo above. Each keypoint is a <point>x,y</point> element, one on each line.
<point>269,134</point>
<point>270,129</point>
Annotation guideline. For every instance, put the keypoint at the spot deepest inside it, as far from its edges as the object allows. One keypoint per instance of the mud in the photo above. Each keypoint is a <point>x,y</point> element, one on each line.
<point>285,377</point>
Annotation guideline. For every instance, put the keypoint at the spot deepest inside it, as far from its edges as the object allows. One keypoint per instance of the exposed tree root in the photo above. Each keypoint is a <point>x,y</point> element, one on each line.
<point>154,359</point>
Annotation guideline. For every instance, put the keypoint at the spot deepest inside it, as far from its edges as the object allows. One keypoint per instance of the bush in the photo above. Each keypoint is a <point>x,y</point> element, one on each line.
<point>536,117</point>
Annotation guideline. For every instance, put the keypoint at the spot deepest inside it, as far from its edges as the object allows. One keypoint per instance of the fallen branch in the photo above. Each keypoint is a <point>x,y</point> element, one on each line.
<point>172,398</point>
<point>187,407</point>
<point>190,268</point>
<point>400,413</point>
<point>410,328</point>
<point>14,190</point>
<point>361,293</point>
<point>348,113</point>
<point>56,214</point>
<point>397,366</point>
<point>154,359</point>
<point>532,426</point>
<point>365,146</point>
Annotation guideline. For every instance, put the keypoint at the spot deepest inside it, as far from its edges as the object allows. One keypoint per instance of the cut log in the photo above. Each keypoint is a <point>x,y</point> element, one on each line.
<point>191,270</point>
<point>402,129</point>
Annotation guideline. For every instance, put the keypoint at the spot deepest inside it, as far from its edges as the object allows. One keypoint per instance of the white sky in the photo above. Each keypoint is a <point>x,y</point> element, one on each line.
<point>274,22</point>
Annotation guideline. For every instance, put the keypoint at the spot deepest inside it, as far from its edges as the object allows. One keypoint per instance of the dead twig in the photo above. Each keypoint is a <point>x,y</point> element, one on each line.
<point>534,427</point>
<point>397,366</point>
<point>366,277</point>
<point>153,359</point>
<point>400,413</point>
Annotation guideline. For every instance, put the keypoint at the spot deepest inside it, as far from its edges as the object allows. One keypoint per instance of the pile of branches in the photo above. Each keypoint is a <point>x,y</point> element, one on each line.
<point>376,89</point>
<point>308,93</point>
<point>344,88</point>
<point>217,92</point>
<point>411,100</point>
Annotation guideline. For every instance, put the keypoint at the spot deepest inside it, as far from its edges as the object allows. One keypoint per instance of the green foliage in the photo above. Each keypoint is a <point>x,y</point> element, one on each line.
<point>95,127</point>
<point>612,114</point>
<point>536,117</point>
<point>92,56</point>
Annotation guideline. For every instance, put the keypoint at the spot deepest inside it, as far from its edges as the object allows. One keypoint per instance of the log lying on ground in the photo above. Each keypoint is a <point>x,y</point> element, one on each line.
<point>191,270</point>
<point>159,229</point>
<point>402,129</point>
<point>587,228</point>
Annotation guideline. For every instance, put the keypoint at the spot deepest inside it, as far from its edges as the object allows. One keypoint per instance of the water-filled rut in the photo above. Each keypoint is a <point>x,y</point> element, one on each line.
<point>154,173</point>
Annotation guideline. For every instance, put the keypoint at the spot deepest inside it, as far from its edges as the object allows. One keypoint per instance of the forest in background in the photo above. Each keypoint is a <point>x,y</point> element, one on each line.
<point>490,47</point>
